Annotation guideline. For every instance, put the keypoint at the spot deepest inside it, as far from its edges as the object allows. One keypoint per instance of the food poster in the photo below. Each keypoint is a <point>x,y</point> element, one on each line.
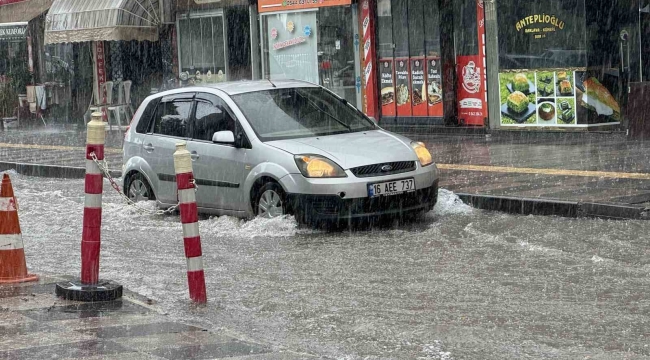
<point>387,87</point>
<point>539,98</point>
<point>418,87</point>
<point>434,87</point>
<point>402,87</point>
<point>595,101</point>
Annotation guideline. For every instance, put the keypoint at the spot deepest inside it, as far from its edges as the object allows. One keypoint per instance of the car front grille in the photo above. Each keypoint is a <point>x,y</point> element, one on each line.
<point>335,206</point>
<point>376,169</point>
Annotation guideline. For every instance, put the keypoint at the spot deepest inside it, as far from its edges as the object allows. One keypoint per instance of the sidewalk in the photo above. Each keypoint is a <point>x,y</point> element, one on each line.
<point>573,173</point>
<point>34,324</point>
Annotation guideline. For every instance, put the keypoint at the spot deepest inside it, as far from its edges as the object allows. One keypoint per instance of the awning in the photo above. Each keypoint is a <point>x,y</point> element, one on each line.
<point>13,31</point>
<point>102,20</point>
<point>22,10</point>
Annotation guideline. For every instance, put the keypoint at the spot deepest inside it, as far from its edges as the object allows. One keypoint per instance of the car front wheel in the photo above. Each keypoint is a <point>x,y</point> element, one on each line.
<point>271,201</point>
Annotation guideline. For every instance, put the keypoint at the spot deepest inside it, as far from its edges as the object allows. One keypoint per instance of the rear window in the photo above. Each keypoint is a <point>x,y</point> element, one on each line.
<point>145,118</point>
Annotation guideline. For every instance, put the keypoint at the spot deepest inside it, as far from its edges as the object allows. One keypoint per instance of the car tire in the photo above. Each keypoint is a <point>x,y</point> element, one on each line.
<point>137,188</point>
<point>270,201</point>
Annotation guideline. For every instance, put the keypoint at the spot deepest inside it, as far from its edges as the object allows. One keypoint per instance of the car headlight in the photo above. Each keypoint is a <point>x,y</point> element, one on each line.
<point>315,166</point>
<point>423,154</point>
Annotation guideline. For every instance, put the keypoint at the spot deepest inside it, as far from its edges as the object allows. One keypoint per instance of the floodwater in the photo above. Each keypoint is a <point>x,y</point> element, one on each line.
<point>458,284</point>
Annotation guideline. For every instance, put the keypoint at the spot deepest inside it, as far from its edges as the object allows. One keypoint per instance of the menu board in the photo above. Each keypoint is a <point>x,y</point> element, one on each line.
<point>418,87</point>
<point>561,98</point>
<point>387,87</point>
<point>402,87</point>
<point>434,87</point>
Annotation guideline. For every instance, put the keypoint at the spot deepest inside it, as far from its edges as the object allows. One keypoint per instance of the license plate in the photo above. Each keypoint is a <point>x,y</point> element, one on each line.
<point>391,187</point>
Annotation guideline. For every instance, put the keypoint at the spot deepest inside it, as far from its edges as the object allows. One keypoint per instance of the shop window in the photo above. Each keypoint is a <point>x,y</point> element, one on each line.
<point>409,58</point>
<point>202,48</point>
<point>317,46</point>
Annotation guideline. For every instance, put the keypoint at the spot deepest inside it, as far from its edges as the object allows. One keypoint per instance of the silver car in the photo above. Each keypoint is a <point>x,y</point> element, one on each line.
<point>262,148</point>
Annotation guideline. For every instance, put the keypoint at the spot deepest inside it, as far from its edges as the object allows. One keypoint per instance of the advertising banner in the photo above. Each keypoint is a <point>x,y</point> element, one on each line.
<point>403,87</point>
<point>558,98</point>
<point>387,84</point>
<point>285,5</point>
<point>434,87</point>
<point>369,84</point>
<point>418,87</point>
<point>100,67</point>
<point>471,92</point>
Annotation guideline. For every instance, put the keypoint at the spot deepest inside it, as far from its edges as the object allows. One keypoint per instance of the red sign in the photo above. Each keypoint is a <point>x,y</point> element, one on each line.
<point>418,87</point>
<point>471,92</point>
<point>403,87</point>
<point>8,2</point>
<point>387,79</point>
<point>367,44</point>
<point>101,76</point>
<point>284,5</point>
<point>434,87</point>
<point>472,84</point>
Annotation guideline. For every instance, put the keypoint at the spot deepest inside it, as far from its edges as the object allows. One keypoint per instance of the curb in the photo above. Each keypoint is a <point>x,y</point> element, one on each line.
<point>545,207</point>
<point>55,171</point>
<point>511,205</point>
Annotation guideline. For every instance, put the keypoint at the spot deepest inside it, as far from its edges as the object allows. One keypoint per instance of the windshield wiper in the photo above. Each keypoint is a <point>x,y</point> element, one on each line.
<point>328,114</point>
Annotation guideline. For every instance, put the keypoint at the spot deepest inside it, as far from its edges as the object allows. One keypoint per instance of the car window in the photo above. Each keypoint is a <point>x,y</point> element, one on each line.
<point>210,118</point>
<point>172,118</point>
<point>147,115</point>
<point>299,112</point>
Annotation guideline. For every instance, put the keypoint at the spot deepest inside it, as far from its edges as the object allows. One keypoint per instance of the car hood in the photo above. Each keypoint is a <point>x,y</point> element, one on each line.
<point>353,149</point>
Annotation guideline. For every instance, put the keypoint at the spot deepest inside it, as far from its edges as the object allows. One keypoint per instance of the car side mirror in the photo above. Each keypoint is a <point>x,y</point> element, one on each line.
<point>223,137</point>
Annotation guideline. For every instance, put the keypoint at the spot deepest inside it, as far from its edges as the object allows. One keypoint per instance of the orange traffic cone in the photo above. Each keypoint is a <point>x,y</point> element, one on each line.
<point>12,256</point>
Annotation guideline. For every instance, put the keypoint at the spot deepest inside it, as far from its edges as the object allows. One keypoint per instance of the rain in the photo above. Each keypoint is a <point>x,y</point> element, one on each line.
<point>336,179</point>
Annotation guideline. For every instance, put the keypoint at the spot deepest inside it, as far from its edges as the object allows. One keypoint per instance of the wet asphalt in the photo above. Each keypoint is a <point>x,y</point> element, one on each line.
<point>459,283</point>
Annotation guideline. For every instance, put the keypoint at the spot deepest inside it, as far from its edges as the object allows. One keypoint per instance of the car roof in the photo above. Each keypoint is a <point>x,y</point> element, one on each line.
<point>242,86</point>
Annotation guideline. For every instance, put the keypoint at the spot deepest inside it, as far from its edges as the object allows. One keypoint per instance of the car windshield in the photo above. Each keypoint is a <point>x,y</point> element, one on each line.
<point>299,112</point>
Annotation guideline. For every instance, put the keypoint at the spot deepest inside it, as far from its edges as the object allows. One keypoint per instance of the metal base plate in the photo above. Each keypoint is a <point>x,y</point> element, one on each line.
<point>104,290</point>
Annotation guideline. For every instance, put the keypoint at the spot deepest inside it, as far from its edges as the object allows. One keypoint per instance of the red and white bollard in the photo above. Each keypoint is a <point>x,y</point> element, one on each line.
<point>190,221</point>
<point>91,235</point>
<point>90,288</point>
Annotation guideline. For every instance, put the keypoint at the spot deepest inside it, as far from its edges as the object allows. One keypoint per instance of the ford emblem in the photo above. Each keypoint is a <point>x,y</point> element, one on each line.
<point>386,168</point>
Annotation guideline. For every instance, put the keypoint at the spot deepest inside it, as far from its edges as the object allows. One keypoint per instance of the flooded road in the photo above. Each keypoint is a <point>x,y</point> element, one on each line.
<point>457,284</point>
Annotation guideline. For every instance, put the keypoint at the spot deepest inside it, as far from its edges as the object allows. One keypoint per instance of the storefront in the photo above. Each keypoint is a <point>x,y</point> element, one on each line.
<point>572,64</point>
<point>214,40</point>
<point>22,61</point>
<point>317,42</point>
<point>114,50</point>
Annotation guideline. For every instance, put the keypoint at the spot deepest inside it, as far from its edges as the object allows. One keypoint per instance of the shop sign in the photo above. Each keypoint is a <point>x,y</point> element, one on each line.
<point>288,43</point>
<point>402,87</point>
<point>470,90</point>
<point>8,2</point>
<point>101,76</point>
<point>539,25</point>
<point>418,87</point>
<point>284,5</point>
<point>557,98</point>
<point>17,31</point>
<point>387,87</point>
<point>434,87</point>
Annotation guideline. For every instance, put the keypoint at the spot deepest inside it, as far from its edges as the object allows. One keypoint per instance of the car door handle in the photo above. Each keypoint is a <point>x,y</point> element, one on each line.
<point>194,155</point>
<point>148,147</point>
